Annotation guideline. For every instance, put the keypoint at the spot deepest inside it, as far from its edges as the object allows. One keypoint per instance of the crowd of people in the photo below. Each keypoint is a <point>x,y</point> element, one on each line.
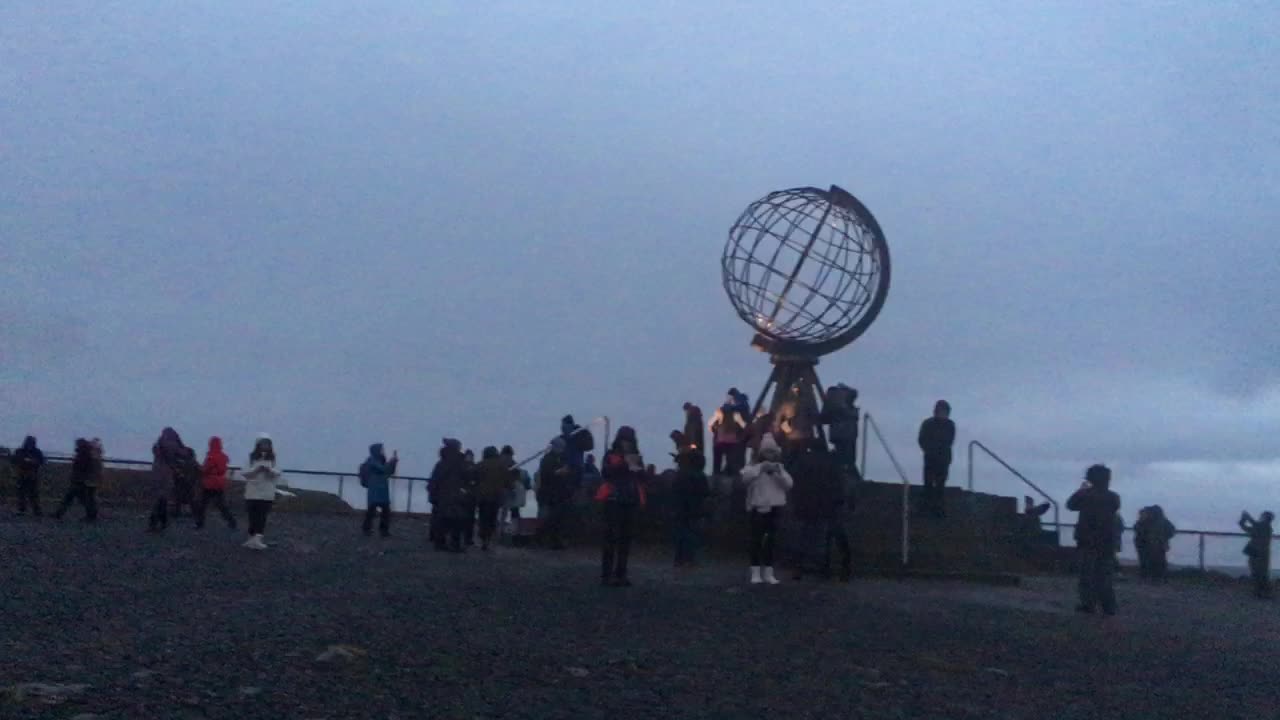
<point>776,460</point>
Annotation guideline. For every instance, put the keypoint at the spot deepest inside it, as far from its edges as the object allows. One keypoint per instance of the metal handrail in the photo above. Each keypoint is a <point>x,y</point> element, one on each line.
<point>1057,511</point>
<point>1202,534</point>
<point>869,425</point>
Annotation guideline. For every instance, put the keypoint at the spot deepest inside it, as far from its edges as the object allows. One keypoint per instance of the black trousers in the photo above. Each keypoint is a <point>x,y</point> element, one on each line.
<point>619,523</point>
<point>1097,568</point>
<point>488,520</point>
<point>258,511</point>
<point>29,492</point>
<point>159,519</point>
<point>384,522</point>
<point>218,499</point>
<point>764,530</point>
<point>838,537</point>
<point>935,479</point>
<point>1260,571</point>
<point>553,528</point>
<point>469,526</point>
<point>88,496</point>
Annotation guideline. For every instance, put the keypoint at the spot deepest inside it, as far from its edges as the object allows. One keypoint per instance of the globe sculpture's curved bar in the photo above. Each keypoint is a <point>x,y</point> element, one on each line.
<point>808,269</point>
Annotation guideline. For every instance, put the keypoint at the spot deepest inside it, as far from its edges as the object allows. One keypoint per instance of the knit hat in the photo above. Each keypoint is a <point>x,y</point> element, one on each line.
<point>769,449</point>
<point>567,420</point>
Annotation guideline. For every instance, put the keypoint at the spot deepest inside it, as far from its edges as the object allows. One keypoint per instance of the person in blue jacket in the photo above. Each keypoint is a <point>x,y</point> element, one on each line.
<point>375,476</point>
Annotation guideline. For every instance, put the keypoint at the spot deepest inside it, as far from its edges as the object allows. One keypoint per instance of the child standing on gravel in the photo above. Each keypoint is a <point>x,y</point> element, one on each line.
<point>261,479</point>
<point>767,486</point>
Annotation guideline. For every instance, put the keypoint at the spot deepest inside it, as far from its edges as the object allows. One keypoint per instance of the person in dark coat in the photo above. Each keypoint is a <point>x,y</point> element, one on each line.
<point>694,431</point>
<point>186,476</point>
<point>1096,539</point>
<point>167,455</point>
<point>1259,551</point>
<point>469,481</point>
<point>27,461</point>
<point>448,494</point>
<point>841,414</point>
<point>728,425</point>
<point>937,435</point>
<point>818,501</point>
<point>493,483</point>
<point>86,469</point>
<point>689,493</point>
<point>1151,535</point>
<point>622,495</point>
<point>555,493</point>
<point>375,475</point>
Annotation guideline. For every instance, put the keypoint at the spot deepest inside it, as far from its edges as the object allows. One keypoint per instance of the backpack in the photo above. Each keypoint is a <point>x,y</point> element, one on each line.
<point>582,440</point>
<point>363,474</point>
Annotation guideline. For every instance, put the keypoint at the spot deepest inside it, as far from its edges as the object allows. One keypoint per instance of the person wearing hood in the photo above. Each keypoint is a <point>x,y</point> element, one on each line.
<point>555,492</point>
<point>469,481</point>
<point>937,435</point>
<point>767,483</point>
<point>375,475</point>
<point>818,500</point>
<point>86,469</point>
<point>727,427</point>
<point>213,484</point>
<point>187,474</point>
<point>1151,535</point>
<point>1096,539</point>
<point>493,483</point>
<point>689,493</point>
<point>1259,551</point>
<point>621,495</point>
<point>261,480</point>
<point>167,455</point>
<point>448,495</point>
<point>27,461</point>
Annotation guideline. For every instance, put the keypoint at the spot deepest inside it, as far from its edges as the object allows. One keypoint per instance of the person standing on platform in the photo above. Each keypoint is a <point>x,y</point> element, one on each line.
<point>375,475</point>
<point>448,498</point>
<point>261,479</point>
<point>694,431</point>
<point>622,495</point>
<point>767,483</point>
<point>689,494</point>
<point>727,427</point>
<point>937,435</point>
<point>167,455</point>
<point>493,484</point>
<point>1096,539</point>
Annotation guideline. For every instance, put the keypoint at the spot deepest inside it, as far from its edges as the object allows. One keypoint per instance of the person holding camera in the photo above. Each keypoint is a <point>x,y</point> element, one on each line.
<point>767,483</point>
<point>1096,539</point>
<point>1259,551</point>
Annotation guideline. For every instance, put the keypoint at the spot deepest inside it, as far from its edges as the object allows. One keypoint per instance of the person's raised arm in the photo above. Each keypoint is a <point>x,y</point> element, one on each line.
<point>1077,498</point>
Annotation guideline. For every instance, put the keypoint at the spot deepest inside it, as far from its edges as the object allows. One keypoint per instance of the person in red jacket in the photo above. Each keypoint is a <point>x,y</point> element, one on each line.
<point>213,484</point>
<point>622,494</point>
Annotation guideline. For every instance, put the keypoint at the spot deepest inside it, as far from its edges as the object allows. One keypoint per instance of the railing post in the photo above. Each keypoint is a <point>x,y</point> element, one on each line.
<point>342,482</point>
<point>971,466</point>
<point>1201,552</point>
<point>866,440</point>
<point>409,503</point>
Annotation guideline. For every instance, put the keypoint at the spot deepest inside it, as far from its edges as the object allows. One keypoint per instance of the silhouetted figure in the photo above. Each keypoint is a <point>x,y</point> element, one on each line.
<point>213,484</point>
<point>1258,550</point>
<point>448,494</point>
<point>727,427</point>
<point>689,495</point>
<point>591,478</point>
<point>1151,535</point>
<point>86,468</point>
<point>767,483</point>
<point>694,434</point>
<point>555,493</point>
<point>469,483</point>
<point>937,435</point>
<point>622,495</point>
<point>493,482</point>
<point>1096,539</point>
<point>738,454</point>
<point>27,461</point>
<point>817,500</point>
<point>186,477</point>
<point>797,423</point>
<point>840,413</point>
<point>375,475</point>
<point>167,455</point>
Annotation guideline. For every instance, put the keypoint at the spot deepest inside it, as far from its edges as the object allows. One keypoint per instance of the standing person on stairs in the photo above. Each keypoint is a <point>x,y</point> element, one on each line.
<point>260,481</point>
<point>767,484</point>
<point>937,435</point>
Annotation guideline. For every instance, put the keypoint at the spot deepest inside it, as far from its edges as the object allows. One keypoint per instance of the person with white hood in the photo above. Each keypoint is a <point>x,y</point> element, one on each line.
<point>261,480</point>
<point>767,483</point>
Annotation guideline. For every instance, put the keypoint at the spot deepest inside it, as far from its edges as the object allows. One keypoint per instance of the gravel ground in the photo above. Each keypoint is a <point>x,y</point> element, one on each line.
<point>328,624</point>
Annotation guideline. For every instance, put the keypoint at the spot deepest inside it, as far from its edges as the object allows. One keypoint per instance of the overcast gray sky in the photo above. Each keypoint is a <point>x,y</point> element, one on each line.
<point>347,222</point>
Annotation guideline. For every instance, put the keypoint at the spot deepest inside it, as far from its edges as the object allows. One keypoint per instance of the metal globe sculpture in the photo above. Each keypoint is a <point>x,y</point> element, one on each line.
<point>808,270</point>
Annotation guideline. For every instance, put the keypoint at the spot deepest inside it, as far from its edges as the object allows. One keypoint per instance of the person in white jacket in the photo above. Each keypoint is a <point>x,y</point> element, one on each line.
<point>767,483</point>
<point>261,478</point>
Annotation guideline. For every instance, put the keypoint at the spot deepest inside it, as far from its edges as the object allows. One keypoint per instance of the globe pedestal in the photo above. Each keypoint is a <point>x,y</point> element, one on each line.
<point>793,397</point>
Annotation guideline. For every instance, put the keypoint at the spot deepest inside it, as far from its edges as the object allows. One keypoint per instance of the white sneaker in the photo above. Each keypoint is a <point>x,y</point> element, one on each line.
<point>756,579</point>
<point>769,577</point>
<point>256,543</point>
<point>249,543</point>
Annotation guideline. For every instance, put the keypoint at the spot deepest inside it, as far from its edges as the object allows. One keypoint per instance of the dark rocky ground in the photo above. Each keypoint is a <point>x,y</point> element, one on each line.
<point>189,625</point>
